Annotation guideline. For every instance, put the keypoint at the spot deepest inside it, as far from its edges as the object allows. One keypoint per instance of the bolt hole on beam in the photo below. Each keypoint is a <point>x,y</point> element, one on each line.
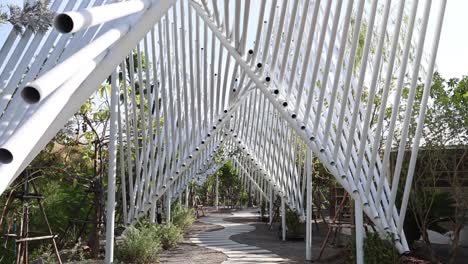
<point>31,95</point>
<point>5,156</point>
<point>63,23</point>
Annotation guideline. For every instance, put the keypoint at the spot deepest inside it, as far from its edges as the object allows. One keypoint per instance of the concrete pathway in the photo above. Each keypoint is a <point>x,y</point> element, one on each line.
<point>236,252</point>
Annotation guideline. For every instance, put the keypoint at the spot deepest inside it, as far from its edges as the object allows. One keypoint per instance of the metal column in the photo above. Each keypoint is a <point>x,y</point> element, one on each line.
<point>359,219</point>
<point>283,218</point>
<point>110,217</point>
<point>217,193</point>
<point>309,171</point>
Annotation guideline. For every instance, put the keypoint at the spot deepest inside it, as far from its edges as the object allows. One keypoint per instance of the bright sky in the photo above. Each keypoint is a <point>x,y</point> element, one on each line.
<point>452,59</point>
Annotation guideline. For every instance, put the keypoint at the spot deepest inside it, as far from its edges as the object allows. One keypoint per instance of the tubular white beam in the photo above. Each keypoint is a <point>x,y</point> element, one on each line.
<point>217,192</point>
<point>168,207</point>
<point>270,210</point>
<point>194,89</point>
<point>71,22</point>
<point>359,223</point>
<point>283,219</point>
<point>187,193</point>
<point>112,173</point>
<point>309,172</point>
<point>49,82</point>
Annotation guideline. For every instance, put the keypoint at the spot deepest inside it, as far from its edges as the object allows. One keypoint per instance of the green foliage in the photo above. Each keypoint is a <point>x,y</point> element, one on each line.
<point>169,235</point>
<point>293,221</point>
<point>447,119</point>
<point>141,245</point>
<point>7,254</point>
<point>376,250</point>
<point>183,217</point>
<point>63,202</point>
<point>3,18</point>
<point>35,17</point>
<point>432,207</point>
<point>360,47</point>
<point>229,183</point>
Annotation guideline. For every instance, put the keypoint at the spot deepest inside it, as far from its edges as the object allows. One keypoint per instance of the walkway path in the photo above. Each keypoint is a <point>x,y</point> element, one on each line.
<point>236,252</point>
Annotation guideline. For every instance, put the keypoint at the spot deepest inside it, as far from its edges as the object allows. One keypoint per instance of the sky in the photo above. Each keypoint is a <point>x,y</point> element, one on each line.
<point>452,58</point>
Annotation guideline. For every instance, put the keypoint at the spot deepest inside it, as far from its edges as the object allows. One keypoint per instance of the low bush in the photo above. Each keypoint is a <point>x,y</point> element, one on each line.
<point>141,245</point>
<point>376,250</point>
<point>183,217</point>
<point>293,221</point>
<point>169,235</point>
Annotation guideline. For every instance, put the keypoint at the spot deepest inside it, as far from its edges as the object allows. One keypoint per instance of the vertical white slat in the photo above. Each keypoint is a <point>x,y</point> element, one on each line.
<point>112,173</point>
<point>309,210</point>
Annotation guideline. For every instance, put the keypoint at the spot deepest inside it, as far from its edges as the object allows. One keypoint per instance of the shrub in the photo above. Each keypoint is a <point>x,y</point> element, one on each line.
<point>293,221</point>
<point>376,250</point>
<point>183,218</point>
<point>169,235</point>
<point>140,246</point>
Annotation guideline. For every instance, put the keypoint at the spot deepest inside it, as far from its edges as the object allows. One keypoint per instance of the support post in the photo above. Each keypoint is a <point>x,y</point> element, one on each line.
<point>168,206</point>
<point>112,173</point>
<point>153,213</point>
<point>309,171</point>
<point>186,197</point>
<point>283,218</point>
<point>270,211</point>
<point>249,203</point>
<point>359,222</point>
<point>260,200</point>
<point>217,193</point>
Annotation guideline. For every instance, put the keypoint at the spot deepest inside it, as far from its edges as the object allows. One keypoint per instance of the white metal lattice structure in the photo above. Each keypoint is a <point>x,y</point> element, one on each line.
<point>266,84</point>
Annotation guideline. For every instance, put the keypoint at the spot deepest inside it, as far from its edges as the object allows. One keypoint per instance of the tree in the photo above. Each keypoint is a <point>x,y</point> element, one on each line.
<point>35,17</point>
<point>444,150</point>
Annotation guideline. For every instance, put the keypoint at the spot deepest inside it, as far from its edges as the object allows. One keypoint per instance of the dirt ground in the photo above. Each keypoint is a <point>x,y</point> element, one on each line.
<point>263,237</point>
<point>188,253</point>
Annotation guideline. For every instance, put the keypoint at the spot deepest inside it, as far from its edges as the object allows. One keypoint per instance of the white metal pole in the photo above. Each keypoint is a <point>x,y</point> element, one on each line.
<point>153,212</point>
<point>112,172</point>
<point>271,203</point>
<point>309,172</point>
<point>40,88</point>
<point>217,193</point>
<point>427,87</point>
<point>359,223</point>
<point>168,206</point>
<point>187,197</point>
<point>74,21</point>
<point>283,218</point>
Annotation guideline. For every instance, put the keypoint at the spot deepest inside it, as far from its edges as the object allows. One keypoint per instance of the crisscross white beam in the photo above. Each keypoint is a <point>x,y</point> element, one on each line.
<point>267,84</point>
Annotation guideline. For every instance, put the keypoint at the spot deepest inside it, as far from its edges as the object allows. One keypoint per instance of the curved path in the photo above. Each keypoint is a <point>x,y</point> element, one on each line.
<point>236,252</point>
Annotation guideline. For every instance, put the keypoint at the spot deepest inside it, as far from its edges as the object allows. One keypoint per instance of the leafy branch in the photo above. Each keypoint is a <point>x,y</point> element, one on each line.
<point>35,17</point>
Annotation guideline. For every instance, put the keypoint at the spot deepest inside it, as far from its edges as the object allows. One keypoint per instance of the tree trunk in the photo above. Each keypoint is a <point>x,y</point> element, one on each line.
<point>455,243</point>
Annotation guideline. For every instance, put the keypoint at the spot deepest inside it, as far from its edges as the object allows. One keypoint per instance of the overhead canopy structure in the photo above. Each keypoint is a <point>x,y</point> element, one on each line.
<point>267,84</point>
